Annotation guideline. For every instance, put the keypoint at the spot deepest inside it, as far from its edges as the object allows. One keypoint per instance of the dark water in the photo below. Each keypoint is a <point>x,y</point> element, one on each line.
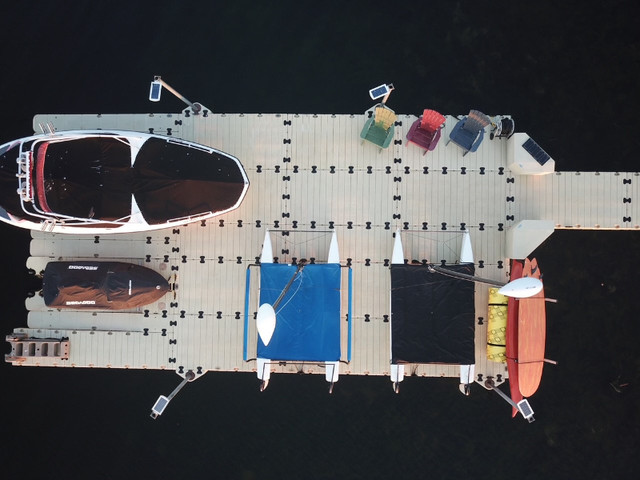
<point>569,75</point>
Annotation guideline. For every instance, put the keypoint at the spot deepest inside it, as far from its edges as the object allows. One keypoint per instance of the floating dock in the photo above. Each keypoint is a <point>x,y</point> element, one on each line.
<point>310,176</point>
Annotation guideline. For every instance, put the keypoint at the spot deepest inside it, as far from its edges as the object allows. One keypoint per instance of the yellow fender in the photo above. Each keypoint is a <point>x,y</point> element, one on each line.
<point>497,327</point>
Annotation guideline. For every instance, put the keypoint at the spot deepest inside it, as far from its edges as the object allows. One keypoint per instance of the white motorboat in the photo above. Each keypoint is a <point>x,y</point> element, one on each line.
<point>92,182</point>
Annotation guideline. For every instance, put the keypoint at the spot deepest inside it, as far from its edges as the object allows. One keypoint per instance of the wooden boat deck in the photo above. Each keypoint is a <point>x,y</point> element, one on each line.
<point>310,175</point>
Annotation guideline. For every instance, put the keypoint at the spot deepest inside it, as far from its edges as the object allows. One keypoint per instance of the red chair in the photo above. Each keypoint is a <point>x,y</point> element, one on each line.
<point>425,132</point>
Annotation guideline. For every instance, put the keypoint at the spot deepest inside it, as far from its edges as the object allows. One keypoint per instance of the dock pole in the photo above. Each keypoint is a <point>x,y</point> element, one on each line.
<point>163,401</point>
<point>195,107</point>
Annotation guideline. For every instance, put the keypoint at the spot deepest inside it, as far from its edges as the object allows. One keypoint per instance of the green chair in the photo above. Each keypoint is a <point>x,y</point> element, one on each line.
<point>379,127</point>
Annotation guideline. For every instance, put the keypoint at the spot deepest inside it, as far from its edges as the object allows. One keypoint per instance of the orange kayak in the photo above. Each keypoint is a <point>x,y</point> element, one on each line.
<point>531,335</point>
<point>512,338</point>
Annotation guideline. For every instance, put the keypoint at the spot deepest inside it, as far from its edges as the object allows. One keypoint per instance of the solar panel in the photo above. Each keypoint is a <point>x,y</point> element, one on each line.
<point>536,151</point>
<point>159,406</point>
<point>525,410</point>
<point>155,91</point>
<point>379,91</point>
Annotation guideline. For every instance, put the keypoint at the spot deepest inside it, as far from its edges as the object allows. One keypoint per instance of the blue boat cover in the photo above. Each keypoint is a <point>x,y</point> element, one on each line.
<point>308,316</point>
<point>432,315</point>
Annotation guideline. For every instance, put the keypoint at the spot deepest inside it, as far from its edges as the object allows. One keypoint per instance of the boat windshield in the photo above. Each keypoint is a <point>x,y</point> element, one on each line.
<point>87,177</point>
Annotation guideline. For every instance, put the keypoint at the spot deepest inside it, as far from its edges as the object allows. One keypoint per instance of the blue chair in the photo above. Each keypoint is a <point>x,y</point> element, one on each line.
<point>469,132</point>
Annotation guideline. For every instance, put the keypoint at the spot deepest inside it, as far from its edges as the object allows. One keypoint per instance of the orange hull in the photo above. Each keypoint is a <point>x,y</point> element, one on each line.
<point>512,339</point>
<point>531,335</point>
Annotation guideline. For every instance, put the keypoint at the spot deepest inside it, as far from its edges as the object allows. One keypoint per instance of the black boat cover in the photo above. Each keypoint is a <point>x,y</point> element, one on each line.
<point>432,315</point>
<point>101,285</point>
<point>173,181</point>
<point>93,178</point>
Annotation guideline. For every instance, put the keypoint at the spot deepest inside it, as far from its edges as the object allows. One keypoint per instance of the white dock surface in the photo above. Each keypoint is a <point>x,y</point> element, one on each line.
<point>310,175</point>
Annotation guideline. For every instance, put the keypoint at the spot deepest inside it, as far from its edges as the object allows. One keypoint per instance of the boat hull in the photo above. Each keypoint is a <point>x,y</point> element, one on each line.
<point>87,285</point>
<point>531,335</point>
<point>512,338</point>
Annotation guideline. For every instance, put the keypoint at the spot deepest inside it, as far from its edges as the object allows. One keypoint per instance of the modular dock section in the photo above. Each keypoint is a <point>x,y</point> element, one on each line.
<point>311,175</point>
